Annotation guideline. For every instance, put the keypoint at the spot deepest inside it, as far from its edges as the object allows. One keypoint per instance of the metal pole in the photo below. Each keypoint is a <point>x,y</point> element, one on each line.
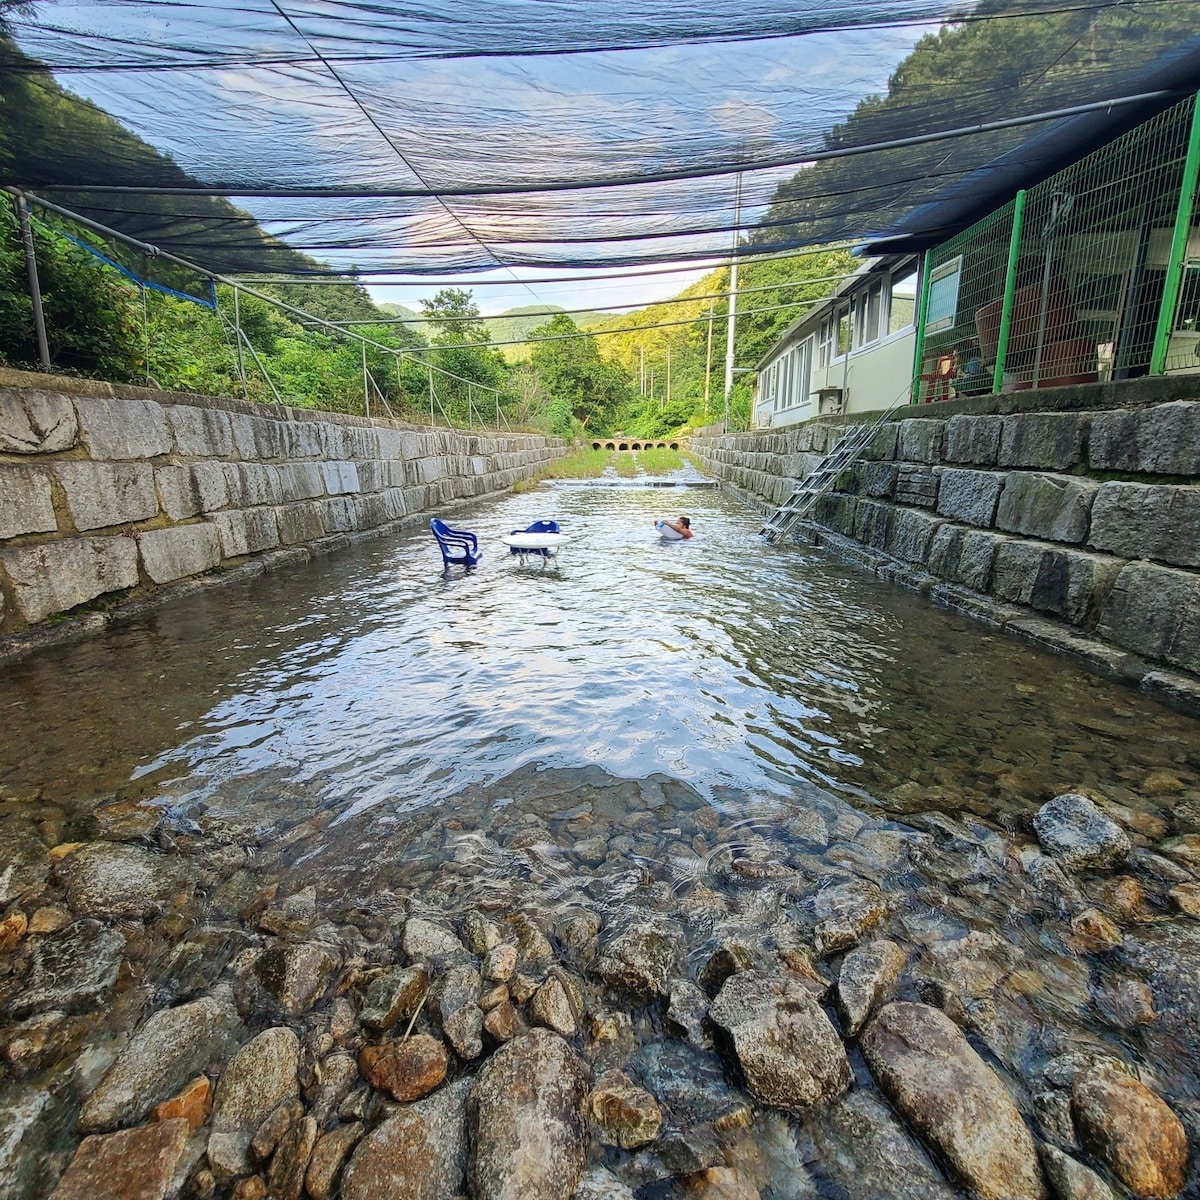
<point>922,312</point>
<point>733,285</point>
<point>430,373</point>
<point>668,399</point>
<point>366,385</point>
<point>1179,241</point>
<point>35,288</point>
<point>708,363</point>
<point>237,337</point>
<point>1010,290</point>
<point>468,406</point>
<point>642,374</point>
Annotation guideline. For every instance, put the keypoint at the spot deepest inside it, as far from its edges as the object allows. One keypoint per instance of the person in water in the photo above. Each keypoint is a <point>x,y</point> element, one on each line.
<point>682,527</point>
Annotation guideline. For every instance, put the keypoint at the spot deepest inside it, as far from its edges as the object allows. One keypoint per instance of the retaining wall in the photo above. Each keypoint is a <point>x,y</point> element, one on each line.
<point>108,492</point>
<point>1079,530</point>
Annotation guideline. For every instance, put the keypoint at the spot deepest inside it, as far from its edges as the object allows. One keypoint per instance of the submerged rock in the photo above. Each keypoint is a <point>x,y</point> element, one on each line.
<point>73,970</point>
<point>1071,1180</point>
<point>259,1077</point>
<point>1124,1124</point>
<point>528,1136</point>
<point>393,996</point>
<point>641,961</point>
<point>405,1070</point>
<point>138,1162</point>
<point>867,977</point>
<point>624,1114</point>
<point>845,913</point>
<point>419,1153</point>
<point>111,879</point>
<point>1077,833</point>
<point>789,1052</point>
<point>295,977</point>
<point>957,1105</point>
<point>170,1048</point>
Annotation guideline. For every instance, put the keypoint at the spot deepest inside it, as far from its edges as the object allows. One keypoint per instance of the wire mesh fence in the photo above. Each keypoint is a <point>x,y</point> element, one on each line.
<point>1093,255</point>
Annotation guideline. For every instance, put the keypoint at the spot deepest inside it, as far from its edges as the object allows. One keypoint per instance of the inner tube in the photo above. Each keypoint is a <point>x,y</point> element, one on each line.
<point>667,533</point>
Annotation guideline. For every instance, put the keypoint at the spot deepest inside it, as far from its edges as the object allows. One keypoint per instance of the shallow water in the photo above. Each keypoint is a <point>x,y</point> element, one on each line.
<point>740,725</point>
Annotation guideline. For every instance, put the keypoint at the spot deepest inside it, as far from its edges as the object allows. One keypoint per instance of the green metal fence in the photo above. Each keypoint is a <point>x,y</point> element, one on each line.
<point>1094,274</point>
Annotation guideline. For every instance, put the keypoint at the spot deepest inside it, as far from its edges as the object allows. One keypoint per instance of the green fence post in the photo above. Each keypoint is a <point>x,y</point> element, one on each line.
<point>1010,290</point>
<point>1179,241</point>
<point>922,309</point>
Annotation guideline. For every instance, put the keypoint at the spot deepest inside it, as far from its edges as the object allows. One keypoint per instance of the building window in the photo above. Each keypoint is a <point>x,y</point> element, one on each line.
<point>902,305</point>
<point>867,307</point>
<point>825,345</point>
<point>795,369</point>
<point>943,296</point>
<point>845,326</point>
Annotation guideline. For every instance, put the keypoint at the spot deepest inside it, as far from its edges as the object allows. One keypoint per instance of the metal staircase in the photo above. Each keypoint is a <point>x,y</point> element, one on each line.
<point>822,478</point>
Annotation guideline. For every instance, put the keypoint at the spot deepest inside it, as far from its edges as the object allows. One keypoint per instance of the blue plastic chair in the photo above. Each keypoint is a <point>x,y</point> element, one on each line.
<point>536,527</point>
<point>459,548</point>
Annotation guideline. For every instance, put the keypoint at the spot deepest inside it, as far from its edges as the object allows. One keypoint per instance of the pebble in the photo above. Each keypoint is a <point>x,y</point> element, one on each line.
<point>328,1157</point>
<point>866,979</point>
<point>405,1070</point>
<point>1076,832</point>
<point>393,996</point>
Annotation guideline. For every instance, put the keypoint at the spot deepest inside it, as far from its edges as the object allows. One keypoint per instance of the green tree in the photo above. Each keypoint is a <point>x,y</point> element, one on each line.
<point>583,387</point>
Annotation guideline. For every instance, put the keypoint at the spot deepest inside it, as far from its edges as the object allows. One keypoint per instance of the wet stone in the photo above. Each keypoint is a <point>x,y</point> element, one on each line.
<point>134,1164</point>
<point>457,998</point>
<point>327,1159</point>
<point>622,1113</point>
<point>1069,1179</point>
<point>555,1006</point>
<point>1076,832</point>
<point>640,961</point>
<point>285,1179</point>
<point>499,963</point>
<point>126,820</point>
<point>269,1134</point>
<point>296,977</point>
<point>331,1085</point>
<point>259,1077</point>
<point>687,1009</point>
<point>418,1153</point>
<point>480,934</point>
<point>727,959</point>
<point>405,1070</point>
<point>393,996</point>
<point>788,1051</point>
<point>111,879</point>
<point>170,1048</point>
<point>690,1083</point>
<point>866,979</point>
<point>1186,897</point>
<point>24,859</point>
<point>425,941</point>
<point>530,1092</point>
<point>503,1022</point>
<point>73,970</point>
<point>1125,1125</point>
<point>956,1104</point>
<point>295,916</point>
<point>845,913</point>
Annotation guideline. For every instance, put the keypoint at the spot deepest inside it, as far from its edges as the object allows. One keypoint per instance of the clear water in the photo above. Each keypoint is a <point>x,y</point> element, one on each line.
<point>409,739</point>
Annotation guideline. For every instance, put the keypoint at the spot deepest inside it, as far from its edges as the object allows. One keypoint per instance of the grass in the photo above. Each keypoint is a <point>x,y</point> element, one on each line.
<point>583,464</point>
<point>659,461</point>
<point>624,464</point>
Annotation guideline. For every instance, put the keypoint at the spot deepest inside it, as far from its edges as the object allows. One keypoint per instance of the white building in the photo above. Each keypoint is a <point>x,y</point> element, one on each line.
<point>851,352</point>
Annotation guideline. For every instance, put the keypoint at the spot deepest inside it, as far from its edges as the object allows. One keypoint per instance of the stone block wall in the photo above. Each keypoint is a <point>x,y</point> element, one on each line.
<point>1088,519</point>
<point>109,489</point>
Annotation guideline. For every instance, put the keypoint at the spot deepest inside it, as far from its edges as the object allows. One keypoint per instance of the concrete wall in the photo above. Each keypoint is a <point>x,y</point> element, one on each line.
<point>1078,529</point>
<point>113,492</point>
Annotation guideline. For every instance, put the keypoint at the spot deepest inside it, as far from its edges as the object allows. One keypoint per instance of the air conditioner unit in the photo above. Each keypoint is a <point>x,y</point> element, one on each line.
<point>830,400</point>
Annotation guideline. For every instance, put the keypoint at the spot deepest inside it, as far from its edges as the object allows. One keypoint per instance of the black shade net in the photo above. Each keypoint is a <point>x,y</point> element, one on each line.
<point>297,137</point>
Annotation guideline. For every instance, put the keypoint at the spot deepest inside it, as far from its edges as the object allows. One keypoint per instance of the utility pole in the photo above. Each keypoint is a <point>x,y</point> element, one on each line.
<point>708,362</point>
<point>668,400</point>
<point>733,285</point>
<point>642,384</point>
<point>35,291</point>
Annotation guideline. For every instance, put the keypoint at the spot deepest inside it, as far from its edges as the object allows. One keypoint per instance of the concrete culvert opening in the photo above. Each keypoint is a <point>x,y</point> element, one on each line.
<point>623,446</point>
<point>662,446</point>
<point>674,445</point>
<point>595,445</point>
<point>610,445</point>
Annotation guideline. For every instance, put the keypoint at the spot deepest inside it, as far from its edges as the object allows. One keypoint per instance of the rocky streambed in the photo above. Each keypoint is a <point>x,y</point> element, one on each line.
<point>569,985</point>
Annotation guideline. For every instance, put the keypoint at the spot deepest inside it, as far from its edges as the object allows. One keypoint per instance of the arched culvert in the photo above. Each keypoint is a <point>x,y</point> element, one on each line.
<point>623,446</point>
<point>610,445</point>
<point>636,446</point>
<point>674,445</point>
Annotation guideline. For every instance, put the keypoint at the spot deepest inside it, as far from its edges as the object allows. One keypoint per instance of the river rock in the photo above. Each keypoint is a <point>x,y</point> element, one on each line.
<point>405,1070</point>
<point>1077,833</point>
<point>641,961</point>
<point>556,1006</point>
<point>845,913</point>
<point>727,959</point>
<point>285,1179</point>
<point>111,879</point>
<point>691,1084</point>
<point>1186,897</point>
<point>499,963</point>
<point>268,1135</point>
<point>957,1105</point>
<point>1125,1125</point>
<point>327,1158</point>
<point>788,1051</point>
<point>419,1153</point>
<point>687,1010</point>
<point>623,1114</point>
<point>193,1102</point>
<point>260,1076</point>
<point>528,1135</point>
<point>337,1078</point>
<point>503,1022</point>
<point>868,1153</point>
<point>293,917</point>
<point>129,820</point>
<point>25,862</point>
<point>134,1164</point>
<point>296,977</point>
<point>598,1183</point>
<point>1071,1180</point>
<point>393,996</point>
<point>73,970</point>
<point>169,1049</point>
<point>479,933</point>
<point>1166,955</point>
<point>427,942</point>
<point>867,977</point>
<point>458,1005</point>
